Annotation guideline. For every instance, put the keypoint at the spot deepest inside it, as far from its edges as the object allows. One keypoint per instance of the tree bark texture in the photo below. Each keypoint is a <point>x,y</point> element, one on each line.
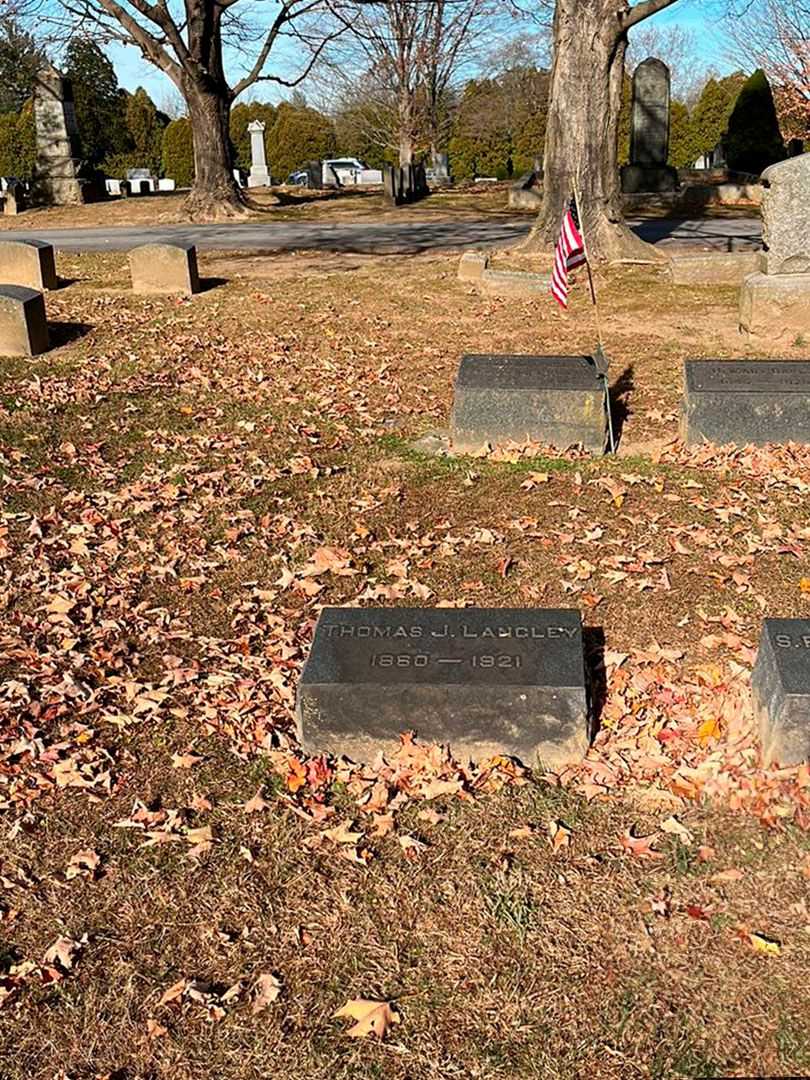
<point>590,40</point>
<point>215,192</point>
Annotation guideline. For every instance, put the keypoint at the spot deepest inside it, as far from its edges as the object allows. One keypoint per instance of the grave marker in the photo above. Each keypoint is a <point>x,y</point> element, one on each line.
<point>741,401</point>
<point>556,400</point>
<point>23,324</point>
<point>28,262</point>
<point>498,681</point>
<point>259,175</point>
<point>165,268</point>
<point>649,135</point>
<point>780,685</point>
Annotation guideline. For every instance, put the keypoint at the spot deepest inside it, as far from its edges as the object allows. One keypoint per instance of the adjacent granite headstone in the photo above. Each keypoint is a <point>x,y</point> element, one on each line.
<point>28,262</point>
<point>746,401</point>
<point>485,681</point>
<point>555,400</point>
<point>56,180</point>
<point>780,686</point>
<point>259,175</point>
<point>649,134</point>
<point>165,268</point>
<point>775,304</point>
<point>23,323</point>
<point>786,216</point>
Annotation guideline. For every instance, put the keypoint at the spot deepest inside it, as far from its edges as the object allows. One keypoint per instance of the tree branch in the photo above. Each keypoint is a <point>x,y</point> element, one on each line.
<point>148,44</point>
<point>643,11</point>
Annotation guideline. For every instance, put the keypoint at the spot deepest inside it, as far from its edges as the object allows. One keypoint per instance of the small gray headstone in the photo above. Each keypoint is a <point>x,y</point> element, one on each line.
<point>485,681</point>
<point>28,262</point>
<point>746,401</point>
<point>555,400</point>
<point>23,323</point>
<point>781,690</point>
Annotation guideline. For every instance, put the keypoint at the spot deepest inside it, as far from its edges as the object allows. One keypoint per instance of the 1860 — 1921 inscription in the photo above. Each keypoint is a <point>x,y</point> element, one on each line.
<point>499,681</point>
<point>742,401</point>
<point>781,690</point>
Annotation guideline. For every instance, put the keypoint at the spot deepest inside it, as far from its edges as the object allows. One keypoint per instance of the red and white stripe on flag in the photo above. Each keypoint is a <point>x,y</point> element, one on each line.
<point>568,254</point>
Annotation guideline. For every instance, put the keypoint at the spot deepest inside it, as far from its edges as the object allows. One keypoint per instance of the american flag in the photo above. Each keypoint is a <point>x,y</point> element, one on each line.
<point>568,254</point>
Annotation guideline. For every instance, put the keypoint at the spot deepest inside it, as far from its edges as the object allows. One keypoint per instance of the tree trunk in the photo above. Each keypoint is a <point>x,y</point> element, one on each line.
<point>215,192</point>
<point>405,119</point>
<point>582,133</point>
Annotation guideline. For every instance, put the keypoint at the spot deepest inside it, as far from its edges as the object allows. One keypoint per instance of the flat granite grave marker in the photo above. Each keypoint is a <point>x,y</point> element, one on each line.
<point>557,400</point>
<point>781,690</point>
<point>28,262</point>
<point>486,681</point>
<point>23,323</point>
<point>165,268</point>
<point>741,401</point>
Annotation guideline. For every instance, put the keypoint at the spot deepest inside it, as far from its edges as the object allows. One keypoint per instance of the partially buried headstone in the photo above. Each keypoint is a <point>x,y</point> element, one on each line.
<point>781,690</point>
<point>28,262</point>
<point>485,681</point>
<point>165,268</point>
<point>746,401</point>
<point>23,323</point>
<point>553,400</point>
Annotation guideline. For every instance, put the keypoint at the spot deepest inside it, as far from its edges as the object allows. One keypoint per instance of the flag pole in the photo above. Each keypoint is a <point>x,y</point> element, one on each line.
<point>595,303</point>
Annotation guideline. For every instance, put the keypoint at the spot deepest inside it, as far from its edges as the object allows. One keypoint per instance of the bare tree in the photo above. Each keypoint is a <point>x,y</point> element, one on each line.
<point>775,35</point>
<point>185,40</point>
<point>678,48</point>
<point>590,42</point>
<point>407,56</point>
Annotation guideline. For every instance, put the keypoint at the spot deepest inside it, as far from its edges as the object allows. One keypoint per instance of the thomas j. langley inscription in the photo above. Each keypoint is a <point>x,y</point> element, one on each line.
<point>486,681</point>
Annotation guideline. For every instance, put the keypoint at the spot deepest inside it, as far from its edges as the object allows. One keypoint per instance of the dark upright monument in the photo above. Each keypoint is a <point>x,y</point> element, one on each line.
<point>648,170</point>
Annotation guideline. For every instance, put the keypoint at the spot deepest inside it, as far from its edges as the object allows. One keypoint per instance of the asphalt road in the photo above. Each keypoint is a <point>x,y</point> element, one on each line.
<point>386,238</point>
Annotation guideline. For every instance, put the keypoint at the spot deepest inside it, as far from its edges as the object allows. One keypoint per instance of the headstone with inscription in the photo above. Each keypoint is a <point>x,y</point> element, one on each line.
<point>553,400</point>
<point>56,181</point>
<point>780,685</point>
<point>649,133</point>
<point>746,401</point>
<point>499,681</point>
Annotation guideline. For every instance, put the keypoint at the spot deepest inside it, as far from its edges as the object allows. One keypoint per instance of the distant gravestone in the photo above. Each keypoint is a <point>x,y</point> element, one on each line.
<point>259,175</point>
<point>780,684</point>
<point>649,133</point>
<point>28,262</point>
<point>56,181</point>
<point>23,323</point>
<point>742,401</point>
<point>553,400</point>
<point>165,269</point>
<point>485,681</point>
<point>14,200</point>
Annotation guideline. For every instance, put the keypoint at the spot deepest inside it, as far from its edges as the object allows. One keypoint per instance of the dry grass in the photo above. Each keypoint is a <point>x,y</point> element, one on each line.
<point>277,205</point>
<point>505,959</point>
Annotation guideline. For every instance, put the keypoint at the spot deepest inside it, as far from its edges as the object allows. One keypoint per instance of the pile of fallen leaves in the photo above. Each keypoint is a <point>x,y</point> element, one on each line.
<point>674,739</point>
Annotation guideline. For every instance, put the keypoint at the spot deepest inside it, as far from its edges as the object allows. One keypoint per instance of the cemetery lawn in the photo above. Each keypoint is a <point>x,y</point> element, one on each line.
<point>279,205</point>
<point>183,894</point>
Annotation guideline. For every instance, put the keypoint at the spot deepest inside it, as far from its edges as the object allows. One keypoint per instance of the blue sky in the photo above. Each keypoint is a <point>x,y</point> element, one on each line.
<point>694,15</point>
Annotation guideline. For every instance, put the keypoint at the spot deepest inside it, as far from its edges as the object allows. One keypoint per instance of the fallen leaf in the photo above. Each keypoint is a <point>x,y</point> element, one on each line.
<point>732,874</point>
<point>84,862</point>
<point>677,828</point>
<point>372,1017</point>
<point>559,835</point>
<point>640,846</point>
<point>266,990</point>
<point>765,945</point>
